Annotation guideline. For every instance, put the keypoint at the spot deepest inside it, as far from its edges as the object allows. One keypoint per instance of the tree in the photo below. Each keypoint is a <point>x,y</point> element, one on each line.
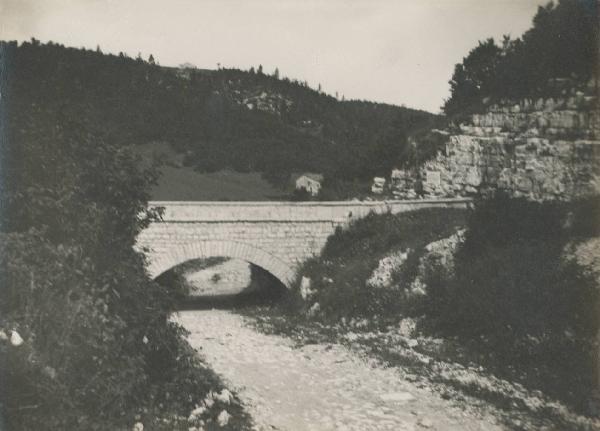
<point>472,78</point>
<point>151,59</point>
<point>276,73</point>
<point>562,43</point>
<point>260,69</point>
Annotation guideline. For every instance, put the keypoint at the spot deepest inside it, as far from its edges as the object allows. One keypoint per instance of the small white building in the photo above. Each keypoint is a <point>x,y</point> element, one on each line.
<point>310,182</point>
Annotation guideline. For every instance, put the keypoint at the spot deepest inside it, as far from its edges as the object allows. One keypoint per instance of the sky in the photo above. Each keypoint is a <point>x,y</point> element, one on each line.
<point>394,51</point>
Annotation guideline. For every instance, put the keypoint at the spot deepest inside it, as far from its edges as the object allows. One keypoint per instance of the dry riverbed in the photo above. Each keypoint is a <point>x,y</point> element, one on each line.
<point>430,364</point>
<point>321,386</point>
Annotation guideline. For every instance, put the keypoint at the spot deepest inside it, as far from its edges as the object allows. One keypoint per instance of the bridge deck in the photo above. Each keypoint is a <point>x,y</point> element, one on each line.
<point>335,211</point>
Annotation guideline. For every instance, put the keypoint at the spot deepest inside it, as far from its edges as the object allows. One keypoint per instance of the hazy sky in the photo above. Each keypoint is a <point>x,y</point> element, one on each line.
<point>394,51</point>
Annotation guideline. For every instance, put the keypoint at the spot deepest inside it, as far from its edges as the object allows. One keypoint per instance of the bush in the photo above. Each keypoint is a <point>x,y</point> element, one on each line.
<point>97,343</point>
<point>516,294</point>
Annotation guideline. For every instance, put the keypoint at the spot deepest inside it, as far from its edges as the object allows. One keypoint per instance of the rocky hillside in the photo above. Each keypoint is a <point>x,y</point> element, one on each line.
<point>541,149</point>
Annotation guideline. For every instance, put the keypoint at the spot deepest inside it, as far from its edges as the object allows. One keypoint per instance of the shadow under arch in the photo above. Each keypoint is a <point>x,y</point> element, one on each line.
<point>158,263</point>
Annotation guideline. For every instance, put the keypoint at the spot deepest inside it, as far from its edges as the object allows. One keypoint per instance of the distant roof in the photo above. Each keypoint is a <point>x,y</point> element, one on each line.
<point>312,176</point>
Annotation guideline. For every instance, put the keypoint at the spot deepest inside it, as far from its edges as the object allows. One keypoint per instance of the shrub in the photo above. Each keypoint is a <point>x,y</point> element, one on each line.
<point>516,294</point>
<point>97,343</point>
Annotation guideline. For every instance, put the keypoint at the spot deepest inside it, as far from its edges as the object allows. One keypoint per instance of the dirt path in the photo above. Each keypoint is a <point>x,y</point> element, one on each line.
<point>316,387</point>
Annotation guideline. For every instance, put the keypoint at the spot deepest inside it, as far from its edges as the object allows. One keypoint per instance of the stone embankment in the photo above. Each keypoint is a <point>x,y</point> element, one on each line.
<point>317,386</point>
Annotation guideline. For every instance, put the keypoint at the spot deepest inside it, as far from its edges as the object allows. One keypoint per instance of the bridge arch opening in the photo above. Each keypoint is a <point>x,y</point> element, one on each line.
<point>178,254</point>
<point>222,283</point>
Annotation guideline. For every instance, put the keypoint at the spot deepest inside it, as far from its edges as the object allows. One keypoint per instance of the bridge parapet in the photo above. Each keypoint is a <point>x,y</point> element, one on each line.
<point>264,211</point>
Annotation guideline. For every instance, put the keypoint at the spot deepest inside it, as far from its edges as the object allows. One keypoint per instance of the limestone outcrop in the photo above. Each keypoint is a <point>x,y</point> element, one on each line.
<point>541,149</point>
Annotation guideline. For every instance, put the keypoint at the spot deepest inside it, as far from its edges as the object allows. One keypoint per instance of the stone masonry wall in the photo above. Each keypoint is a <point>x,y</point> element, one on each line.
<point>539,149</point>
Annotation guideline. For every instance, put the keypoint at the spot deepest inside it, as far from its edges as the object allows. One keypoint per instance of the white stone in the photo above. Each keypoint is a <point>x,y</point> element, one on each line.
<point>225,397</point>
<point>305,291</point>
<point>312,311</point>
<point>380,181</point>
<point>196,413</point>
<point>138,426</point>
<point>223,418</point>
<point>382,275</point>
<point>473,177</point>
<point>351,336</point>
<point>407,327</point>
<point>433,178</point>
<point>15,339</point>
<point>425,423</point>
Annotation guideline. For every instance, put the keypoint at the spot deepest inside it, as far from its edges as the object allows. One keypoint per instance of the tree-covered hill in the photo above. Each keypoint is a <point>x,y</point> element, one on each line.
<point>227,118</point>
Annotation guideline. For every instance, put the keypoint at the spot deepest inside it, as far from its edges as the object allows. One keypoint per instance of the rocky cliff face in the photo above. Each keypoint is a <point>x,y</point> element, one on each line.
<point>540,149</point>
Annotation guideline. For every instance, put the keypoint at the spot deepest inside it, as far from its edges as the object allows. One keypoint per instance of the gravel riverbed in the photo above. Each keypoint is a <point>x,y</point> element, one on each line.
<point>317,386</point>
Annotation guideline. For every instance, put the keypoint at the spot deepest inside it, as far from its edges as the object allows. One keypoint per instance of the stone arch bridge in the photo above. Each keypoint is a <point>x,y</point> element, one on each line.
<point>277,236</point>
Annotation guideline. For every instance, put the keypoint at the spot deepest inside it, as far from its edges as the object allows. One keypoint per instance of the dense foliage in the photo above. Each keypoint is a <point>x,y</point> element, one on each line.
<point>562,43</point>
<point>517,293</point>
<point>96,341</point>
<point>228,118</point>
